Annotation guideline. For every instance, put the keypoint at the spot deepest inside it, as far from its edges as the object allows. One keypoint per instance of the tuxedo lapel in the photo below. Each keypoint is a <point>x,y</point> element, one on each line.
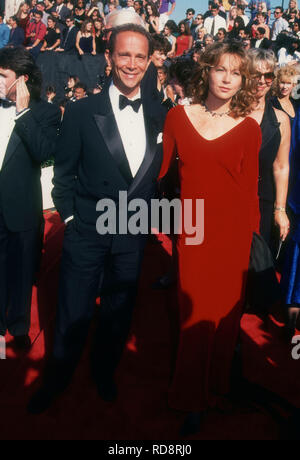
<point>151,137</point>
<point>107,125</point>
<point>13,144</point>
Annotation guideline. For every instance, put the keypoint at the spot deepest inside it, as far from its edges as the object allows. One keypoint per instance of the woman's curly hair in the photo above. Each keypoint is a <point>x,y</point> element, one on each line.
<point>245,100</point>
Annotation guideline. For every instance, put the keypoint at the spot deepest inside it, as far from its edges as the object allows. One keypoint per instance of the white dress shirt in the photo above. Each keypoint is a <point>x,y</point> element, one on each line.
<point>7,122</point>
<point>219,24</point>
<point>132,130</point>
<point>279,25</point>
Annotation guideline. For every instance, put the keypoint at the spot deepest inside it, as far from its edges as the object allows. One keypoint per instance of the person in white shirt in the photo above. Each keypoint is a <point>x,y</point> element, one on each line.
<point>279,24</point>
<point>215,22</point>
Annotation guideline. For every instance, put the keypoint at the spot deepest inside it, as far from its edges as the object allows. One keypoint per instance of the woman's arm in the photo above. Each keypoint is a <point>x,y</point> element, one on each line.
<point>94,46</point>
<point>78,37</point>
<point>281,169</point>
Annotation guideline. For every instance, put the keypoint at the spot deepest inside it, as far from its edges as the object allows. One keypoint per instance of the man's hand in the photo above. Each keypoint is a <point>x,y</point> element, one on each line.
<point>23,96</point>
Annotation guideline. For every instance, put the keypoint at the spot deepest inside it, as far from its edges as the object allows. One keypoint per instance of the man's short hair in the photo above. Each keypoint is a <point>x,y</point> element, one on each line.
<point>190,10</point>
<point>21,62</point>
<point>81,85</point>
<point>134,28</point>
<point>119,18</point>
<point>279,8</point>
<point>261,30</point>
<point>215,6</point>
<point>39,13</point>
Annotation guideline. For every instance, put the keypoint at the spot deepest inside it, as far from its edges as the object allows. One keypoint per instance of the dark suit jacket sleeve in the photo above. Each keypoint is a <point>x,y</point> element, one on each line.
<point>38,129</point>
<point>66,161</point>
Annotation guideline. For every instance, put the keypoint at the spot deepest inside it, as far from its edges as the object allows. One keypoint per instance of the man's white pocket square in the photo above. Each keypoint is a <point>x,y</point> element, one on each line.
<point>160,138</point>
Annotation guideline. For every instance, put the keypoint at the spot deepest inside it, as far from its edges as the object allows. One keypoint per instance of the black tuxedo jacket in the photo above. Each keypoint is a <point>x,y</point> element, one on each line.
<point>32,142</point>
<point>91,163</point>
<point>265,44</point>
<point>69,40</point>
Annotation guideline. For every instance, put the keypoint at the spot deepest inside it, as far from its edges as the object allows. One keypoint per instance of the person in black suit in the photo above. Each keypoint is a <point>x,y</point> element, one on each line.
<point>17,35</point>
<point>109,143</point>
<point>61,12</point>
<point>28,137</point>
<point>261,41</point>
<point>69,35</point>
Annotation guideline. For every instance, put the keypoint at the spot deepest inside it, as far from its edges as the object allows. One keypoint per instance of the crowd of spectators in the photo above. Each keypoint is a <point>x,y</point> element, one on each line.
<point>78,27</point>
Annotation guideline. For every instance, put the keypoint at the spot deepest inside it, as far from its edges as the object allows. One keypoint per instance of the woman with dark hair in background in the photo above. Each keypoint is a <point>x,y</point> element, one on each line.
<point>218,150</point>
<point>169,30</point>
<point>52,38</point>
<point>85,41</point>
<point>152,18</point>
<point>185,39</point>
<point>99,36</point>
<point>237,26</point>
<point>79,15</point>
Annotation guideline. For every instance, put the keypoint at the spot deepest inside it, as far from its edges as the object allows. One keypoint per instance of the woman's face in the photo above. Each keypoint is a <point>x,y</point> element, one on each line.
<point>296,27</point>
<point>286,86</point>
<point>149,10</point>
<point>261,19</point>
<point>292,4</point>
<point>162,76</point>
<point>25,8</point>
<point>80,5</point>
<point>264,78</point>
<point>182,29</point>
<point>89,27</point>
<point>71,83</point>
<point>225,79</point>
<point>137,6</point>
<point>98,25</point>
<point>167,31</point>
<point>51,24</point>
<point>234,14</point>
<point>201,34</point>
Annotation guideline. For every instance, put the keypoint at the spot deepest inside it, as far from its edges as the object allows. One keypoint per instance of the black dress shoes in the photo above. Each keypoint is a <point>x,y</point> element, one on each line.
<point>22,342</point>
<point>107,390</point>
<point>42,400</point>
<point>192,424</point>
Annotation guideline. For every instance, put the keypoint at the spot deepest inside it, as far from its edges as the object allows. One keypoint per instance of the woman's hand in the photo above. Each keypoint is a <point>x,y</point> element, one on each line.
<point>282,221</point>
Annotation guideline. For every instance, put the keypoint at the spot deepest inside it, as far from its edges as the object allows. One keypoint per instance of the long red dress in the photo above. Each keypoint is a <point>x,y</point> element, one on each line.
<point>223,172</point>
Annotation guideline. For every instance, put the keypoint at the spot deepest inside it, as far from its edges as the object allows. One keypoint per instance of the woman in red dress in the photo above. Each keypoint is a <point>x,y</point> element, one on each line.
<point>185,40</point>
<point>217,145</point>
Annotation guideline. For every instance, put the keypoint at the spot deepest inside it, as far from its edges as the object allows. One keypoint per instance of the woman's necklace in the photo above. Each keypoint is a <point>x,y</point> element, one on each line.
<point>216,114</point>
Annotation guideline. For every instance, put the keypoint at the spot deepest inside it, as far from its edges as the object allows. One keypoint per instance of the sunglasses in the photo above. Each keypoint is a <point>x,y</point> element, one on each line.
<point>268,76</point>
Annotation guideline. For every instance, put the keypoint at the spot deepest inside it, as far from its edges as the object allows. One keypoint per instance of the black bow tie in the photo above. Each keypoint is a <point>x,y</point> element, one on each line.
<point>124,102</point>
<point>6,104</point>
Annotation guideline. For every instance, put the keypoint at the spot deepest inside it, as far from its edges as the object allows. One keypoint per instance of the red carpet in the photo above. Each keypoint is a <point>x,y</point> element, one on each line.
<point>141,412</point>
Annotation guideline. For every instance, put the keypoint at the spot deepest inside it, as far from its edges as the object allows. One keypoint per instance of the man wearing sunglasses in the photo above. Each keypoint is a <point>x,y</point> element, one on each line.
<point>279,24</point>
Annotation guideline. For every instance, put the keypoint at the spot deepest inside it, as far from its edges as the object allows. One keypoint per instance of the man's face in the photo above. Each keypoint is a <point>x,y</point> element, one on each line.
<point>214,12</point>
<point>37,18</point>
<point>242,34</point>
<point>189,15</point>
<point>277,14</point>
<point>59,2</point>
<point>7,79</point>
<point>79,93</point>
<point>129,62</point>
<point>259,36</point>
<point>130,3</point>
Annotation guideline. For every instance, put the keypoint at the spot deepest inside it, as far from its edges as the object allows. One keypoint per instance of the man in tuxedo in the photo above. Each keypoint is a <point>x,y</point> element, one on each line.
<point>17,35</point>
<point>68,43</point>
<point>109,143</point>
<point>27,138</point>
<point>261,41</point>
